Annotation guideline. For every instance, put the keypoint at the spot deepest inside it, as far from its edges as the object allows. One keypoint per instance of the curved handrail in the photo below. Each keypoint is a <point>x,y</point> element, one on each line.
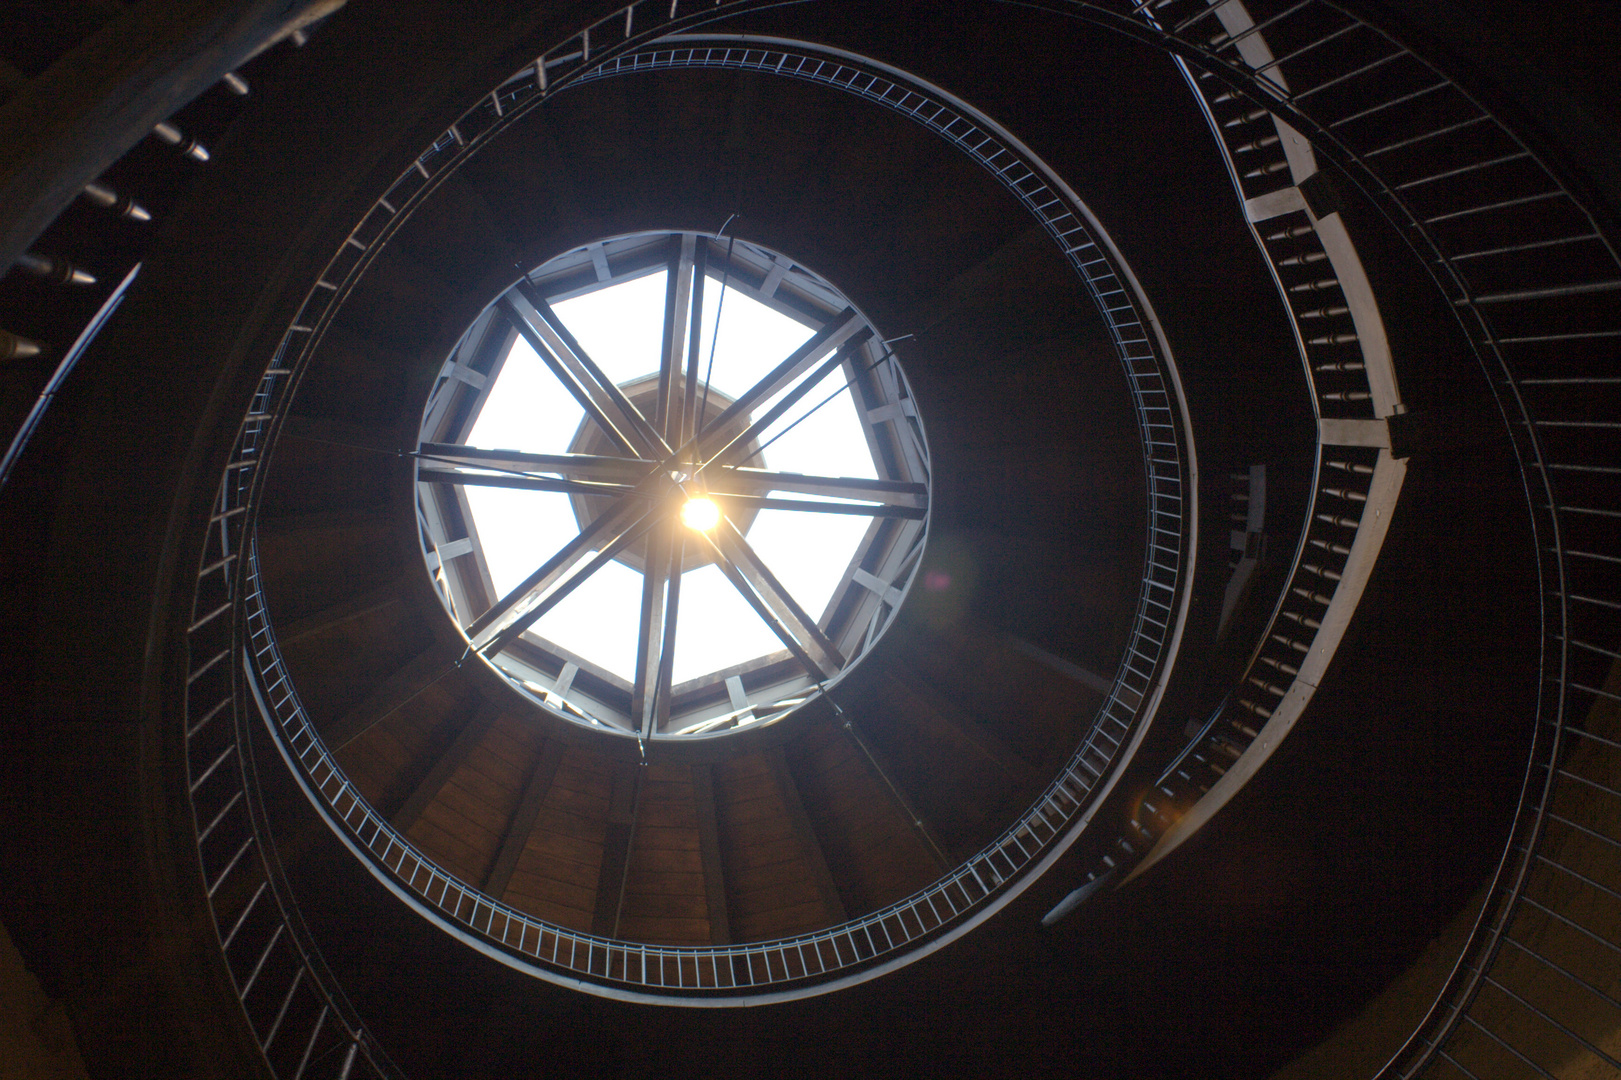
<point>1356,483</point>
<point>864,947</point>
<point>1487,317</point>
<point>1356,478</point>
<point>1505,294</point>
<point>298,1014</point>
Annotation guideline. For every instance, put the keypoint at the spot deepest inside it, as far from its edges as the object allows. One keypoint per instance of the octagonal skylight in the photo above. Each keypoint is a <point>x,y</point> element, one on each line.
<point>561,442</point>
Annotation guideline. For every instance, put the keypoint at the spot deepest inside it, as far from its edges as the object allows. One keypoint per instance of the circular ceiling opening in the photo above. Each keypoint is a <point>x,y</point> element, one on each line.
<point>672,484</point>
<point>721,369</point>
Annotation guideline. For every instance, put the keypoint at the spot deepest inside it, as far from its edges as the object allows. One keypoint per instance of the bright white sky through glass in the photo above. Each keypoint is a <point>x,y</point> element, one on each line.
<point>527,409</point>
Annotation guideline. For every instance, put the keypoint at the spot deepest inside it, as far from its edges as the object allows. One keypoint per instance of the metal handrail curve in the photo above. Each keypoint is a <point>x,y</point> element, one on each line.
<point>865,947</point>
<point>303,1024</point>
<point>1483,314</point>
<point>1505,317</point>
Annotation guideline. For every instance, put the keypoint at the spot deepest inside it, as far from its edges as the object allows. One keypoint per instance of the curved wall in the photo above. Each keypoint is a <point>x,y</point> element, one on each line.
<point>69,694</point>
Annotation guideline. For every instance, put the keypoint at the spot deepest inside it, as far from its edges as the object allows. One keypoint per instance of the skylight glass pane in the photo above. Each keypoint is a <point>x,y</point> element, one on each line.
<point>807,552</point>
<point>527,409</point>
<point>753,339</point>
<point>601,620</point>
<point>620,327</point>
<point>716,627</point>
<point>519,530</point>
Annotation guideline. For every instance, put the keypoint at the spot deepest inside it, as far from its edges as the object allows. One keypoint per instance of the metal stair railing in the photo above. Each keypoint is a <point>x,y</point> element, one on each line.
<point>1529,271</point>
<point>301,1022</point>
<point>879,941</point>
<point>1521,267</point>
<point>1521,264</point>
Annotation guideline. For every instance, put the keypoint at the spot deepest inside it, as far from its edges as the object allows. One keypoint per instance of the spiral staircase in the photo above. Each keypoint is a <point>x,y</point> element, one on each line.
<point>1260,718</point>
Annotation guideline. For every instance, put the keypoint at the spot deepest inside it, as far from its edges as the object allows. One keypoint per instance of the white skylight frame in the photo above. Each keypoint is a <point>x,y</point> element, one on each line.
<point>818,648</point>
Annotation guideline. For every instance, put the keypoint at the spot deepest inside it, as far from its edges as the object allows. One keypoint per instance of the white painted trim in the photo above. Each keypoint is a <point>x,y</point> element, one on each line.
<point>1302,158</point>
<point>1383,493</point>
<point>1370,328</point>
<point>1274,204</point>
<point>1235,19</point>
<point>1332,432</point>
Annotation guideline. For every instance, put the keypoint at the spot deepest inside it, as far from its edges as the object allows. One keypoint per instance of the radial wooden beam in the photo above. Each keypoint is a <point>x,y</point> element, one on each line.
<point>741,584</point>
<point>880,501</point>
<point>316,622</point>
<point>590,397</point>
<point>413,677</point>
<point>805,834</point>
<point>751,577</point>
<point>598,394</point>
<point>578,466</point>
<point>648,687</point>
<point>619,836</point>
<point>703,790</point>
<point>880,772</point>
<point>821,506</point>
<point>609,528</point>
<point>962,728</point>
<point>740,480</point>
<point>779,599</point>
<point>678,283</point>
<point>455,755</point>
<point>474,477</point>
<point>561,586</point>
<point>685,423</point>
<point>560,563</point>
<point>522,822</point>
<point>791,398</point>
<point>672,610</point>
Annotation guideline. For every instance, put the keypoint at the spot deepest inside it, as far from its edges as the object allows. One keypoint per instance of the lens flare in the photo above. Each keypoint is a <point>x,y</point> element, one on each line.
<point>701,514</point>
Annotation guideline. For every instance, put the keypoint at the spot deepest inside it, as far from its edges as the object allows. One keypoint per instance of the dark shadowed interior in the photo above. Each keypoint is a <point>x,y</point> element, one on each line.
<point>1344,898</point>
